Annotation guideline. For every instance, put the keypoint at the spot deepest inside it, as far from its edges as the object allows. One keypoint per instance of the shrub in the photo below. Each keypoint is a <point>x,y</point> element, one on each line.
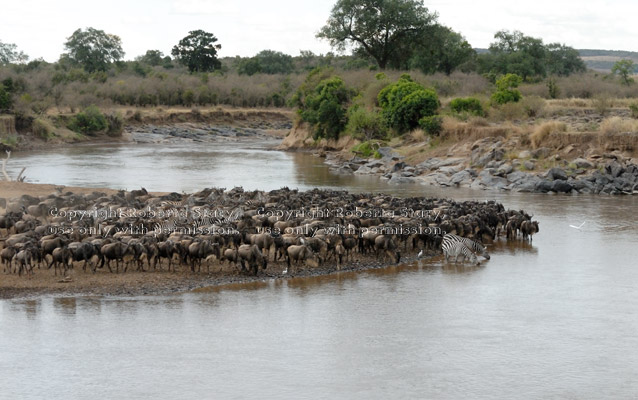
<point>432,125</point>
<point>116,124</point>
<point>506,96</point>
<point>405,102</point>
<point>509,111</point>
<point>366,149</point>
<point>364,124</point>
<point>89,121</point>
<point>506,89</point>
<point>324,107</point>
<point>602,103</point>
<point>42,128</point>
<point>543,131</point>
<point>633,108</point>
<point>469,105</point>
<point>5,98</point>
<point>533,105</point>
<point>552,88</point>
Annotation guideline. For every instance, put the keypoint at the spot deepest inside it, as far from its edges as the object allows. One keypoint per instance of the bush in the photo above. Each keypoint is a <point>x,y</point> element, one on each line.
<point>469,105</point>
<point>405,102</point>
<point>366,149</point>
<point>633,108</point>
<point>506,89</point>
<point>552,88</point>
<point>602,103</point>
<point>116,124</point>
<point>506,96</point>
<point>5,98</point>
<point>364,124</point>
<point>323,107</point>
<point>42,128</point>
<point>89,121</point>
<point>432,125</point>
<point>543,131</point>
<point>533,105</point>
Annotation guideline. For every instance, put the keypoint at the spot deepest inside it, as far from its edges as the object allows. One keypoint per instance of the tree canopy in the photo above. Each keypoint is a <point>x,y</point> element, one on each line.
<point>93,49</point>
<point>624,68</point>
<point>528,57</point>
<point>377,28</point>
<point>9,53</point>
<point>267,62</point>
<point>198,51</point>
<point>152,57</point>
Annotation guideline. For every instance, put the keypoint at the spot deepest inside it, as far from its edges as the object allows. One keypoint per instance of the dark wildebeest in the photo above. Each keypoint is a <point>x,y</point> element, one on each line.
<point>60,255</point>
<point>116,251</point>
<point>387,245</point>
<point>251,255</point>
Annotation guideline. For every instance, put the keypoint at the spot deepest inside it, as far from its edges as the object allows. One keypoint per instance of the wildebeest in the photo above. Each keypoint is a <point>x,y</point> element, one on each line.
<point>301,253</point>
<point>116,251</point>
<point>252,255</point>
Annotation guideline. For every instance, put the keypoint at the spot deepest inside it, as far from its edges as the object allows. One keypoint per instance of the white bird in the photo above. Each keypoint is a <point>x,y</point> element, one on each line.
<point>577,227</point>
<point>420,254</point>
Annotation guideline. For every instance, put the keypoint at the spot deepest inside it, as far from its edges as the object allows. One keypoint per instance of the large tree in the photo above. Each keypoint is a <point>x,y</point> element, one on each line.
<point>93,49</point>
<point>379,28</point>
<point>198,51</point>
<point>9,54</point>
<point>439,50</point>
<point>515,53</point>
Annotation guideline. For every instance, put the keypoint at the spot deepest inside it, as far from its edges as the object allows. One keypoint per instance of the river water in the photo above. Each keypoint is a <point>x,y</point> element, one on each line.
<point>553,319</point>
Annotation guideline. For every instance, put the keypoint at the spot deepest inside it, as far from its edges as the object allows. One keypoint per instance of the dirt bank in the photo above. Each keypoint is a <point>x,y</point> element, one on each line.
<point>50,130</point>
<point>534,155</point>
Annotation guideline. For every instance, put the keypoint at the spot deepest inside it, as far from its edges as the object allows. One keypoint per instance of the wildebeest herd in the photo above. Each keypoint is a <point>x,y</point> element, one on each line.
<point>250,230</point>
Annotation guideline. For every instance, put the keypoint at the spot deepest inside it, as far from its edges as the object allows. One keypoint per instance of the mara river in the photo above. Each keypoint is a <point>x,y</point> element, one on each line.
<point>557,318</point>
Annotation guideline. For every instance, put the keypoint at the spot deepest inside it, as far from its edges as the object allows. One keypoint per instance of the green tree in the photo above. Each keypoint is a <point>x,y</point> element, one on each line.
<point>624,69</point>
<point>93,49</point>
<point>563,60</point>
<point>528,57</point>
<point>9,54</point>
<point>506,89</point>
<point>152,58</point>
<point>248,66</point>
<point>274,62</point>
<point>405,102</point>
<point>198,51</point>
<point>440,49</point>
<point>378,28</point>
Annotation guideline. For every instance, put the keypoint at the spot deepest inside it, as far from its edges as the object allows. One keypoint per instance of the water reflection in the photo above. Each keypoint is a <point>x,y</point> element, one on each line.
<point>65,305</point>
<point>30,308</point>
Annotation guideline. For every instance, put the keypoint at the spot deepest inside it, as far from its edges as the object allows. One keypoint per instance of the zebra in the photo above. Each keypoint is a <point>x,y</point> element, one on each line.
<point>165,227</point>
<point>456,249</point>
<point>471,244</point>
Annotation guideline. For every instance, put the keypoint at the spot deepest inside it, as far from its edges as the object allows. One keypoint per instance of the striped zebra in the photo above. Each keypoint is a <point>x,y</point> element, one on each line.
<point>199,224</point>
<point>167,227</point>
<point>474,246</point>
<point>456,249</point>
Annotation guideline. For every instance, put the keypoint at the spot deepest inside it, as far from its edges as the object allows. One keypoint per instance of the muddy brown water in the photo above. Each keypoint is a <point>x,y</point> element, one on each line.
<point>556,318</point>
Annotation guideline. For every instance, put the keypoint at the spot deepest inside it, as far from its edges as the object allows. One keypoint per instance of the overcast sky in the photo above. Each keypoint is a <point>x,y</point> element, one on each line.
<point>40,27</point>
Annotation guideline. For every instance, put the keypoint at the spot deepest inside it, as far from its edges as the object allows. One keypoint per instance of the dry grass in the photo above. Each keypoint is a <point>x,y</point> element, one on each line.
<point>456,131</point>
<point>616,125</point>
<point>543,131</point>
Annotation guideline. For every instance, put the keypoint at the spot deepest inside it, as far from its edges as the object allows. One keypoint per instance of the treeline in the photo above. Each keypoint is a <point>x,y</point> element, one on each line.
<point>383,35</point>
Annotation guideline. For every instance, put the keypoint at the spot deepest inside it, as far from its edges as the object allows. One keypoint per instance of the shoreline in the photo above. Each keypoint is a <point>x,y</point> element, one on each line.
<point>77,282</point>
<point>159,283</point>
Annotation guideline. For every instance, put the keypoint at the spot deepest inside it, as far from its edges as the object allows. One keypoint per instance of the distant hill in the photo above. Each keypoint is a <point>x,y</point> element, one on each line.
<point>604,60</point>
<point>599,60</point>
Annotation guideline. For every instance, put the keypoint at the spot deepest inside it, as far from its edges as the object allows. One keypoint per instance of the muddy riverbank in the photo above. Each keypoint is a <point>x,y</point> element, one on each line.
<point>216,237</point>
